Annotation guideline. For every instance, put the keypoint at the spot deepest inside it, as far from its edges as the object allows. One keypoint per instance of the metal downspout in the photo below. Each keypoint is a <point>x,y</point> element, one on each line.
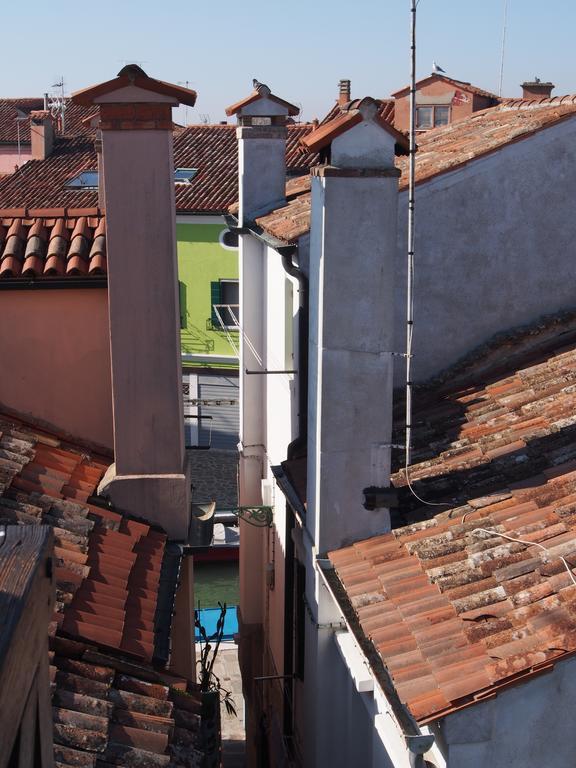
<point>298,445</point>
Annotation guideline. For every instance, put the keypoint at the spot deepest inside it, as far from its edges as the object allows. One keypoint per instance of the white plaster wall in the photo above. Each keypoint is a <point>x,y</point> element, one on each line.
<point>494,248</point>
<point>531,724</point>
<point>365,145</point>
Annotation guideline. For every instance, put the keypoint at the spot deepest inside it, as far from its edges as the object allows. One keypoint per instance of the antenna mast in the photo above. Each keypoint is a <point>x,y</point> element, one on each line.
<point>411,233</point>
<point>504,20</point>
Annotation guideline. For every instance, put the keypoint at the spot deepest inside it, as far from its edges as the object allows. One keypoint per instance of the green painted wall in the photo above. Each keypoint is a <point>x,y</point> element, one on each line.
<point>201,262</point>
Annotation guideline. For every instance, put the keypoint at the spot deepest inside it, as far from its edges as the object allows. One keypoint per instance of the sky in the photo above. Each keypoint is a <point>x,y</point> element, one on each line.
<point>301,49</point>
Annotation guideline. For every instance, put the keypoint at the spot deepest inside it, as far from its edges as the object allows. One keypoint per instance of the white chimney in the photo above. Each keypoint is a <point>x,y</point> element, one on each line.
<point>352,255</point>
<point>148,477</point>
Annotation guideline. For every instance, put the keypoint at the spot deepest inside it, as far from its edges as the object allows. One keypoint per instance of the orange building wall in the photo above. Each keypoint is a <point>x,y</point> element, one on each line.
<point>463,104</point>
<point>55,360</point>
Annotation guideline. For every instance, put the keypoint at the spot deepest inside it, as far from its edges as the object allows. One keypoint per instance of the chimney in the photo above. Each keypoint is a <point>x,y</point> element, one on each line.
<point>261,133</point>
<point>344,92</point>
<point>148,478</point>
<point>352,297</point>
<point>537,89</point>
<point>41,133</point>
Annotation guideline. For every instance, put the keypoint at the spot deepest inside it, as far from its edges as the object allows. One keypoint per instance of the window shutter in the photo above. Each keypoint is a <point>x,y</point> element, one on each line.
<point>182,303</point>
<point>215,298</point>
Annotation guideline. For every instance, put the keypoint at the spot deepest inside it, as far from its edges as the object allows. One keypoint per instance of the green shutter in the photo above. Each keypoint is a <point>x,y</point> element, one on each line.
<point>182,303</point>
<point>215,298</point>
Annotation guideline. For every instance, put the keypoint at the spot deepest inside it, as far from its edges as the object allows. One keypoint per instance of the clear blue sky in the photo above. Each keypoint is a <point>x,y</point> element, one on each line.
<point>300,48</point>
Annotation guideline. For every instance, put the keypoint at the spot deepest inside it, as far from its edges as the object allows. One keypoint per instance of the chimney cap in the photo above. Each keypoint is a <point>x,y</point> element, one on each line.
<point>133,75</point>
<point>351,115</point>
<point>262,92</point>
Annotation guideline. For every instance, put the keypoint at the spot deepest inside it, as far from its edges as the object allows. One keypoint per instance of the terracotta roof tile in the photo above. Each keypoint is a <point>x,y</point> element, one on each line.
<point>442,150</point>
<point>211,149</point>
<point>108,699</point>
<point>460,610</point>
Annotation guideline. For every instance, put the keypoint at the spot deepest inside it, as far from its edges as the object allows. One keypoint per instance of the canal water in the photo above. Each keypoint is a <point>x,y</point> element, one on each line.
<point>213,583</point>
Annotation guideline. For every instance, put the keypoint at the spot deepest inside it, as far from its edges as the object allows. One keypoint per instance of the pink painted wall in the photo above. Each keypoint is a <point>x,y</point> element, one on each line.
<point>9,158</point>
<point>55,360</point>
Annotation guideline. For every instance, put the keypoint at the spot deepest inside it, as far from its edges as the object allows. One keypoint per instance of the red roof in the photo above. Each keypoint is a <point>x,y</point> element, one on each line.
<point>73,123</point>
<point>53,245</point>
<point>109,702</point>
<point>444,149</point>
<point>9,109</point>
<point>474,596</point>
<point>349,116</point>
<point>212,149</point>
<point>385,110</point>
<point>460,84</point>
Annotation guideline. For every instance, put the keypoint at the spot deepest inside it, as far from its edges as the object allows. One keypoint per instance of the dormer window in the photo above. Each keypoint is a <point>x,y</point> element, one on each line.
<point>84,180</point>
<point>431,117</point>
<point>184,175</point>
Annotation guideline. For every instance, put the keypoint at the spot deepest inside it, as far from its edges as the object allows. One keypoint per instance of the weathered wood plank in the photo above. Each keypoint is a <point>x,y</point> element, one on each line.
<point>26,605</point>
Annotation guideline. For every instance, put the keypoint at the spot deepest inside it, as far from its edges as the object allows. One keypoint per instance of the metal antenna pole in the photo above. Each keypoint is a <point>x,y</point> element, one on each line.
<point>503,46</point>
<point>411,233</point>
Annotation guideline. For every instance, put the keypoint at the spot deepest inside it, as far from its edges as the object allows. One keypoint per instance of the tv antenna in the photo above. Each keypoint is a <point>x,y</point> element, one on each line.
<point>204,118</point>
<point>186,84</point>
<point>56,103</point>
<point>504,21</point>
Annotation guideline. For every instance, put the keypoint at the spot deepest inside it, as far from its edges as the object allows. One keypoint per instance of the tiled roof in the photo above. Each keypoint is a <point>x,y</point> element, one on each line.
<point>462,84</point>
<point>8,123</point>
<point>444,149</point>
<point>456,606</point>
<point>349,116</point>
<point>40,183</point>
<point>109,702</point>
<point>292,220</point>
<point>212,149</point>
<point>52,245</point>
<point>385,110</point>
<point>74,124</point>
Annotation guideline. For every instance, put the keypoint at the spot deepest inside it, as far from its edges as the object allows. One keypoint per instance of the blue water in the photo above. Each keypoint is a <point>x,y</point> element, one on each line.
<point>209,618</point>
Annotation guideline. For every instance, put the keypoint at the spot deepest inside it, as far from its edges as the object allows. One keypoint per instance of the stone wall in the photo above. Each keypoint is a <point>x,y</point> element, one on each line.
<point>214,477</point>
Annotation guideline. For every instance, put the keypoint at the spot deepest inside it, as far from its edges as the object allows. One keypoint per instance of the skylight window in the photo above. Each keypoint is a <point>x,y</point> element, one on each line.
<point>184,175</point>
<point>89,179</point>
<point>84,180</point>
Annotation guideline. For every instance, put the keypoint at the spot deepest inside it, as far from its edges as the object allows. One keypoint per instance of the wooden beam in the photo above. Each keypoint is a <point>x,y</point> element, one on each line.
<point>26,606</point>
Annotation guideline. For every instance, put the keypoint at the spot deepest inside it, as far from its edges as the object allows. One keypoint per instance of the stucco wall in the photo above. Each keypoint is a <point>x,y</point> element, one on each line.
<point>527,725</point>
<point>494,248</point>
<point>55,359</point>
<point>9,158</point>
<point>202,260</point>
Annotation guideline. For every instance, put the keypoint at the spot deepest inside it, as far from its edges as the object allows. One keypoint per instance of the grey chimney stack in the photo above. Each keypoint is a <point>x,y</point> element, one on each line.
<point>352,296</point>
<point>344,92</point>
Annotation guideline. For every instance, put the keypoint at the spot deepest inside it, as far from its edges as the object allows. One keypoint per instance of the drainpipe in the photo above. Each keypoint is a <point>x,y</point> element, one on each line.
<point>298,445</point>
<point>418,745</point>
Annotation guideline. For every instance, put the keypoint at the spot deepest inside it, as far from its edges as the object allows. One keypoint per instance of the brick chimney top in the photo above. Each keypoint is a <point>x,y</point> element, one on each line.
<point>344,92</point>
<point>262,107</point>
<point>41,134</point>
<point>536,89</point>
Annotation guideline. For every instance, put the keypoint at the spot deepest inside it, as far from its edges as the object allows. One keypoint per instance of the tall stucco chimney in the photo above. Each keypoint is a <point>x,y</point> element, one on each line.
<point>41,134</point>
<point>261,134</point>
<point>344,92</point>
<point>536,89</point>
<point>148,477</point>
<point>352,256</point>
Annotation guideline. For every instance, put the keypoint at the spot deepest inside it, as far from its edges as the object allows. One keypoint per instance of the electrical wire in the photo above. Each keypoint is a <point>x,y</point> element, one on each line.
<point>492,532</point>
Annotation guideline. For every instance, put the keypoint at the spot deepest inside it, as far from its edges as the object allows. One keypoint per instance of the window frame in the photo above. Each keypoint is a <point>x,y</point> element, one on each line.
<point>434,121</point>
